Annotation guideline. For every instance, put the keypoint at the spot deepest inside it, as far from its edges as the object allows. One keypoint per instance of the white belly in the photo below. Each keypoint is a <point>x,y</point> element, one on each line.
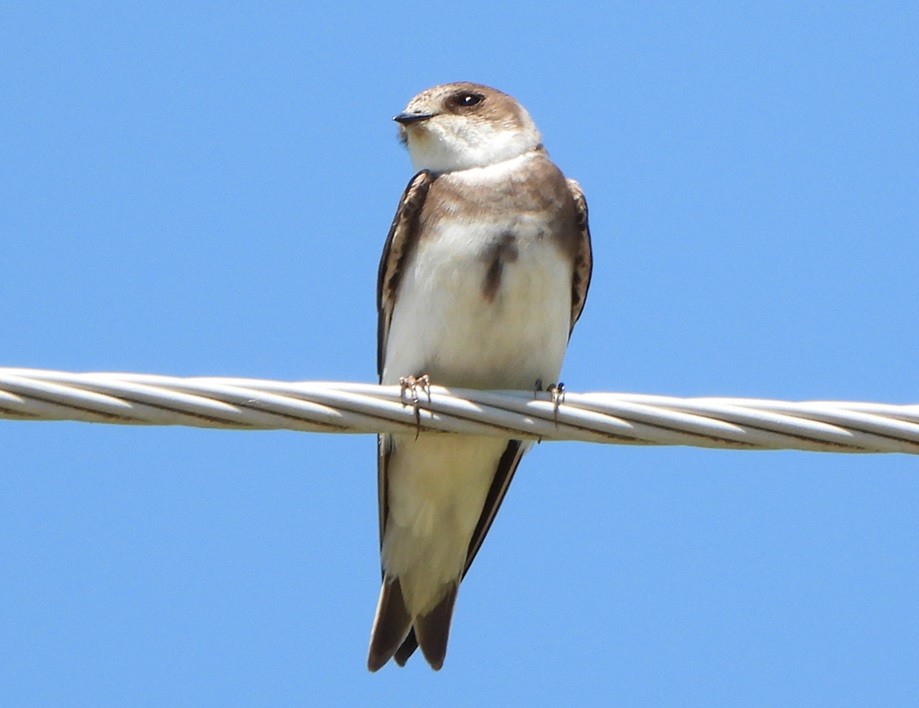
<point>437,486</point>
<point>443,325</point>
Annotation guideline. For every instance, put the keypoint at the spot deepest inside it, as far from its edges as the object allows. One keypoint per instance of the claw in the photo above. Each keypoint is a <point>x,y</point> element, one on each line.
<point>412,384</point>
<point>557,391</point>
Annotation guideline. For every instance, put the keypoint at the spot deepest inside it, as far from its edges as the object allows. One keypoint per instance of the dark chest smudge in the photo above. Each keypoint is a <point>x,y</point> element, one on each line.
<point>497,256</point>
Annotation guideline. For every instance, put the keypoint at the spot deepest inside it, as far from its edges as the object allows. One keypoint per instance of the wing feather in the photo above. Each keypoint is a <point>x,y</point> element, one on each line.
<point>583,262</point>
<point>400,243</point>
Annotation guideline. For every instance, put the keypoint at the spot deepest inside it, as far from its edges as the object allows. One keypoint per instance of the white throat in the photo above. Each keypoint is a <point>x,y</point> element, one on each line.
<point>448,144</point>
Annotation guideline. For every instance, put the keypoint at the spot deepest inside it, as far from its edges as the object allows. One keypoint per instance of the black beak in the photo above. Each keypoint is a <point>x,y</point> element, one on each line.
<point>407,118</point>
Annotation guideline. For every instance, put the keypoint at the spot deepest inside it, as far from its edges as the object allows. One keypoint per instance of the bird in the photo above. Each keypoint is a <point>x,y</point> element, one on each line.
<point>484,273</point>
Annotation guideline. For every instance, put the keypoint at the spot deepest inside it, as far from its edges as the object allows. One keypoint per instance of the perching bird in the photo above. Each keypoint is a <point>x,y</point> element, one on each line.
<point>484,273</point>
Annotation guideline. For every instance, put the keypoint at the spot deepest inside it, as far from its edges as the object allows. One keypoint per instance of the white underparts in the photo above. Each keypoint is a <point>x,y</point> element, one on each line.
<point>448,323</point>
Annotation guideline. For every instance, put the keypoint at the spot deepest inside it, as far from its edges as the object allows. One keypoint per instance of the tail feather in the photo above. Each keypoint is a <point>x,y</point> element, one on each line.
<point>396,634</point>
<point>407,649</point>
<point>433,629</point>
<point>390,626</point>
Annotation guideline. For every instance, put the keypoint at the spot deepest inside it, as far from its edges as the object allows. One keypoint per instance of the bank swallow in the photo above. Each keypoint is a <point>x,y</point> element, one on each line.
<point>483,275</point>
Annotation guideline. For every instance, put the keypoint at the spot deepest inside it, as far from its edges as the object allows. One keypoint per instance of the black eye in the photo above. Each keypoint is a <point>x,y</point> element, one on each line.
<point>468,99</point>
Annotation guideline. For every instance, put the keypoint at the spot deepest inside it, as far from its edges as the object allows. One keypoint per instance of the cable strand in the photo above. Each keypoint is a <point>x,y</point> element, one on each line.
<point>332,407</point>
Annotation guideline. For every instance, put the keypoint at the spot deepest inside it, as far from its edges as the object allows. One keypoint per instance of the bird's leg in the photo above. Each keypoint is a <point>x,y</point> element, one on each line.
<point>411,384</point>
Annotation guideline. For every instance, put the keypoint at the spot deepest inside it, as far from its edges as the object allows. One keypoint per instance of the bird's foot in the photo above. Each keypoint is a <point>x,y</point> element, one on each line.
<point>556,391</point>
<point>411,385</point>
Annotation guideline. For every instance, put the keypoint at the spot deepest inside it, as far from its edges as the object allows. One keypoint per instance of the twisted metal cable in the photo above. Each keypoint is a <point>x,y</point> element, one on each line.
<point>633,419</point>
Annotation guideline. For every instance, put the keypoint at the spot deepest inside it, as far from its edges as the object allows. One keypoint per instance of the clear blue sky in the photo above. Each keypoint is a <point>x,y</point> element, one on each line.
<point>199,189</point>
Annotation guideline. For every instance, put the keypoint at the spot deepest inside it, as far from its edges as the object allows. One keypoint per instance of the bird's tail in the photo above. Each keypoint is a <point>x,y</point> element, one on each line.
<point>393,624</point>
<point>390,626</point>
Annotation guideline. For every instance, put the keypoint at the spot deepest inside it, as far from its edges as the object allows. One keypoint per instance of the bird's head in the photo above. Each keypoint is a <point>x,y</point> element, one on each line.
<point>464,125</point>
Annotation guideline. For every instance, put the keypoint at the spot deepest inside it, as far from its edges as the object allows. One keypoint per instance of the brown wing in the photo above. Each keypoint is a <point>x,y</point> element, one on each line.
<point>401,241</point>
<point>403,235</point>
<point>583,262</point>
